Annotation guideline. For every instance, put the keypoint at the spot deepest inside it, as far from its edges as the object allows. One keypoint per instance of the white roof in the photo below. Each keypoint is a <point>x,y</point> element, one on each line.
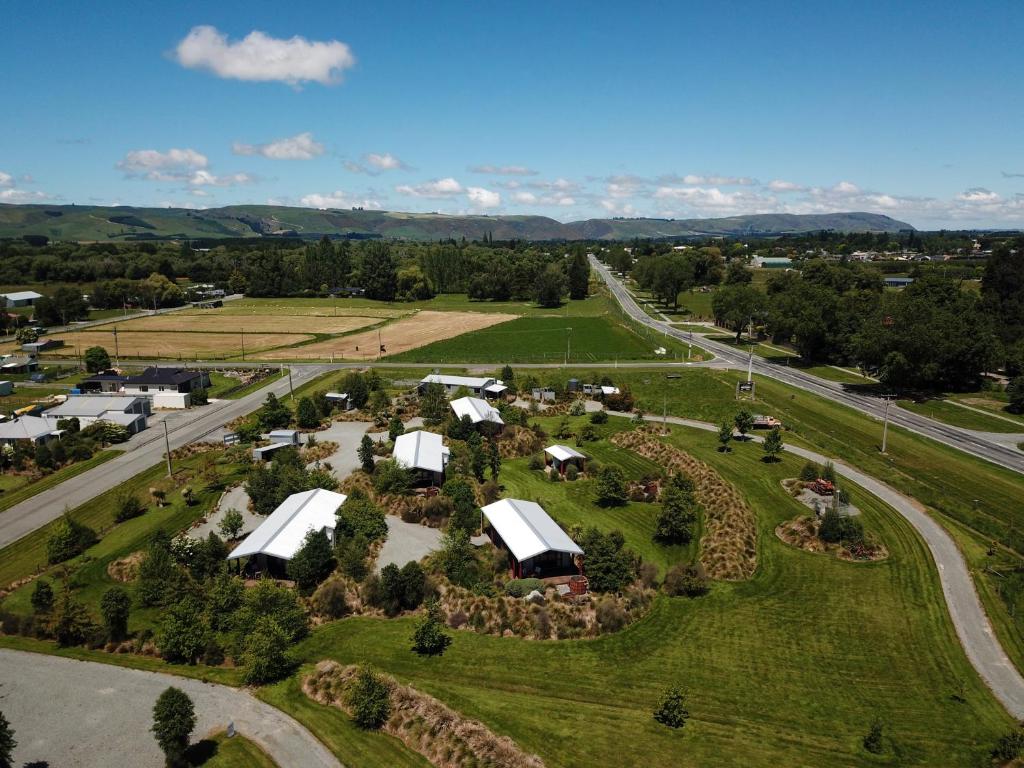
<point>22,295</point>
<point>337,395</point>
<point>85,405</point>
<point>606,390</point>
<point>563,452</point>
<point>496,388</point>
<point>471,382</point>
<point>527,529</point>
<point>122,418</point>
<point>478,410</point>
<point>420,450</point>
<point>284,531</point>
<point>25,428</point>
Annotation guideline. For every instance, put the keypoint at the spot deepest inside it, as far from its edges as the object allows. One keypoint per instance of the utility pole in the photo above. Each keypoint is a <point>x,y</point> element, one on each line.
<point>167,443</point>
<point>291,390</point>
<point>885,425</point>
<point>750,365</point>
<point>568,341</point>
<point>664,414</point>
<point>117,352</point>
<point>243,343</point>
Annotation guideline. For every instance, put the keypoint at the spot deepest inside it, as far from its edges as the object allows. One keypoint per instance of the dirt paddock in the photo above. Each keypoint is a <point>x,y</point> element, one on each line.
<point>254,323</point>
<point>173,345</point>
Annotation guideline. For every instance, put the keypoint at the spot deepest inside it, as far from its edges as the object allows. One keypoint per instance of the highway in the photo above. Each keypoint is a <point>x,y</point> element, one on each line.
<point>965,440</point>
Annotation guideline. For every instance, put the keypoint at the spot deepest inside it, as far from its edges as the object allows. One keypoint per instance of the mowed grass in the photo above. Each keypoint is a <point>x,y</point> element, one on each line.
<point>969,418</point>
<point>790,668</point>
<point>21,489</point>
<point>542,340</point>
<point>222,752</point>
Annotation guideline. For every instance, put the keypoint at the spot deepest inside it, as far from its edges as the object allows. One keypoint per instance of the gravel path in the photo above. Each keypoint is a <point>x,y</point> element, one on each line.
<point>972,625</point>
<point>233,498</point>
<point>81,714</point>
<point>407,541</point>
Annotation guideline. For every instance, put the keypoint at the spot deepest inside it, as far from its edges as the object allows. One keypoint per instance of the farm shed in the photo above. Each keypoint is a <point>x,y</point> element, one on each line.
<point>561,457</point>
<point>424,452</point>
<point>21,298</point>
<point>537,546</point>
<point>280,536</point>
<point>32,429</point>
<point>339,399</point>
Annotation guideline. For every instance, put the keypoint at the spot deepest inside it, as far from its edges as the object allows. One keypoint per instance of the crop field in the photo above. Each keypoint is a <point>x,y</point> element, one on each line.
<point>174,346</point>
<point>210,322</point>
<point>308,308</point>
<point>542,339</point>
<point>403,335</point>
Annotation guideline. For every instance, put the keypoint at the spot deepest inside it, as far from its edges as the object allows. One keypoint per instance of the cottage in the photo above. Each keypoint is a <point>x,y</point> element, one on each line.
<point>477,385</point>
<point>285,436</point>
<point>280,536</point>
<point>31,429</point>
<point>129,412</point>
<point>479,411</point>
<point>537,546</point>
<point>423,452</point>
<point>105,381</point>
<point>21,298</point>
<point>561,457</point>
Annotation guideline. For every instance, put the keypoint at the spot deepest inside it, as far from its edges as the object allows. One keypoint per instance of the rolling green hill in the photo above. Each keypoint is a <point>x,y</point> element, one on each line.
<point>87,222</point>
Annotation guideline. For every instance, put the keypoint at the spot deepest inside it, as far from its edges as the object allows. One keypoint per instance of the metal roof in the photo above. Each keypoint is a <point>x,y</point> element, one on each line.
<point>478,410</point>
<point>22,295</point>
<point>471,382</point>
<point>283,532</point>
<point>87,406</point>
<point>25,428</point>
<point>563,452</point>
<point>527,529</point>
<point>420,450</point>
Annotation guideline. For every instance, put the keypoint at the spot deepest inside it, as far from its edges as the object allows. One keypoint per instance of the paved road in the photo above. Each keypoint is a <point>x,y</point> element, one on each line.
<point>146,450</point>
<point>974,443</point>
<point>976,635</point>
<point>79,714</point>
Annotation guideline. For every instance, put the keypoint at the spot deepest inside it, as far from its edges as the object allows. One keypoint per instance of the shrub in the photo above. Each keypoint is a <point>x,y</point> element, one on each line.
<point>270,599</point>
<point>174,717</point>
<point>523,587</point>
<point>369,698</point>
<point>536,462</point>
<point>115,607</point>
<point>69,538</point>
<point>610,566</point>
<point>72,623</point>
<point>312,562</point>
<point>686,580</point>
<point>306,414</point>
<point>183,633</point>
<point>329,599</point>
<point>611,487</point>
<point>873,740</point>
<point>810,472</point>
<point>572,473</point>
<point>599,417</point>
<point>359,516</point>
<point>266,653</point>
<point>429,637</point>
<point>231,524</point>
<point>836,528</point>
<point>199,396</point>
<point>578,407</point>
<point>391,477</point>
<point>128,506</point>
<point>42,597</point>
<point>611,617</point>
<point>1010,746</point>
<point>649,575</point>
<point>465,515</point>
<point>672,710</point>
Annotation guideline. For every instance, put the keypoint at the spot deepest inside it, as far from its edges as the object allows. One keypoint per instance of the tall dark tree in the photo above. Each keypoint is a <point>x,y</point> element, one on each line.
<point>579,274</point>
<point>174,717</point>
<point>380,272</point>
<point>550,286</point>
<point>7,743</point>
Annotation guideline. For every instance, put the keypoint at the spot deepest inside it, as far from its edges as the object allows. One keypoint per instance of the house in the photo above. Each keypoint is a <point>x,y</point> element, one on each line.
<point>157,379</point>
<point>280,536</point>
<point>21,298</point>
<point>544,395</point>
<point>285,436</point>
<point>35,347</point>
<point>106,381</point>
<point>129,412</point>
<point>477,385</point>
<point>340,400</point>
<point>479,411</point>
<point>17,364</point>
<point>423,452</point>
<point>561,457</point>
<point>32,429</point>
<point>537,546</point>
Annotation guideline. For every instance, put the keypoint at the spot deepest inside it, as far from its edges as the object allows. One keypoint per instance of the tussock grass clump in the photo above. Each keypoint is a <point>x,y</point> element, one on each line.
<point>516,441</point>
<point>443,736</point>
<point>729,545</point>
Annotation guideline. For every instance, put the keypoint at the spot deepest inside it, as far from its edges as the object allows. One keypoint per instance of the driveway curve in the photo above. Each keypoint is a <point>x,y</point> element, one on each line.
<point>79,714</point>
<point>972,625</point>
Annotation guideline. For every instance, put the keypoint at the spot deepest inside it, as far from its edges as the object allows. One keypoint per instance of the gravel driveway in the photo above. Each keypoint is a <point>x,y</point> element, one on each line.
<point>347,435</point>
<point>407,541</point>
<point>81,714</point>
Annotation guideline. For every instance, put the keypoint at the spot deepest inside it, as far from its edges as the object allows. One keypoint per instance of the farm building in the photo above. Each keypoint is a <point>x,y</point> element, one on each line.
<point>478,411</point>
<point>17,364</point>
<point>21,298</point>
<point>280,536</point>
<point>424,452</point>
<point>477,385</point>
<point>898,282</point>
<point>32,429</point>
<point>561,457</point>
<point>537,546</point>
<point>35,347</point>
<point>286,436</point>
<point>544,395</point>
<point>129,412</point>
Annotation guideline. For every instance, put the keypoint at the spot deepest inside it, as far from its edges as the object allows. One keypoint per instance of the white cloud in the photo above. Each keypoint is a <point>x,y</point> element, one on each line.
<point>159,166</point>
<point>261,58</point>
<point>779,185</point>
<point>503,170</point>
<point>338,199</point>
<point>483,198</point>
<point>203,178</point>
<point>302,146</point>
<point>439,188</point>
<point>618,208</point>
<point>529,198</point>
<point>526,198</point>
<point>6,180</point>
<point>383,162</point>
<point>12,195</point>
<point>693,179</point>
<point>978,195</point>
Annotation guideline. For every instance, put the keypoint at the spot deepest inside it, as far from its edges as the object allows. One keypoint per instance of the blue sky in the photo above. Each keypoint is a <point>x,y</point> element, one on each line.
<point>573,110</point>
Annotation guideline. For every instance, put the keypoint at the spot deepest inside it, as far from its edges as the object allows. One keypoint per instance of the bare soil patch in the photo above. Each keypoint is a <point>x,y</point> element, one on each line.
<point>411,332</point>
<point>256,322</point>
<point>175,345</point>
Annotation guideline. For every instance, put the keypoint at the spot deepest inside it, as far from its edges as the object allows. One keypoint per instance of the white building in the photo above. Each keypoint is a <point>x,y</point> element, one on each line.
<point>33,429</point>
<point>129,412</point>
<point>536,543</point>
<point>422,451</point>
<point>21,298</point>
<point>282,534</point>
<point>478,410</point>
<point>478,385</point>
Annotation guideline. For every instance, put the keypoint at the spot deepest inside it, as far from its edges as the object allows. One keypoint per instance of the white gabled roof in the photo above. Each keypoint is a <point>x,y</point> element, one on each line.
<point>606,390</point>
<point>470,382</point>
<point>420,450</point>
<point>563,452</point>
<point>495,388</point>
<point>478,410</point>
<point>26,428</point>
<point>284,531</point>
<point>22,295</point>
<point>93,405</point>
<point>527,529</point>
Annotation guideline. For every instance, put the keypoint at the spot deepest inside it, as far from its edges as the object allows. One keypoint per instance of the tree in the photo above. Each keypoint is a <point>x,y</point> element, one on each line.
<point>724,436</point>
<point>96,359</point>
<point>306,415</point>
<point>1015,393</point>
<point>369,699</point>
<point>174,717</point>
<point>678,512</point>
<point>365,452</point>
<point>671,275</point>
<point>42,597</point>
<point>493,459</point>
<point>395,428</point>
<point>129,506</point>
<point>744,422</point>
<point>579,274</point>
<point>312,562</point>
<point>7,743</point>
<point>456,557</point>
<point>354,384</point>
<point>610,566</point>
<point>237,282</point>
<point>68,539</point>
<point>735,306</point>
<point>183,633</point>
<point>273,414</point>
<point>772,445</point>
<point>266,653</point>
<point>737,273</point>
<point>359,516</point>
<point>379,273</point>
<point>477,458</point>
<point>550,286</point>
<point>231,524</point>
<point>465,515</point>
<point>72,623</point>
<point>390,477</point>
<point>26,335</point>
<point>433,404</point>
<point>429,637</point>
<point>115,607</point>
<point>611,487</point>
<point>672,710</point>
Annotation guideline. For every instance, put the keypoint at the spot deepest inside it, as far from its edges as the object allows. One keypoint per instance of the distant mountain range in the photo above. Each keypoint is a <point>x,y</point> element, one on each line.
<point>90,222</point>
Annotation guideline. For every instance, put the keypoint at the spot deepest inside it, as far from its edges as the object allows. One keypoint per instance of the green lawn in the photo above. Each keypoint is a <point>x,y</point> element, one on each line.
<point>810,640</point>
<point>17,489</point>
<point>222,752</point>
<point>231,389</point>
<point>544,339</point>
<point>781,355</point>
<point>950,413</point>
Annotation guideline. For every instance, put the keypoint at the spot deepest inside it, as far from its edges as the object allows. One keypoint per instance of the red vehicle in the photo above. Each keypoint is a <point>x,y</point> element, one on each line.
<point>823,487</point>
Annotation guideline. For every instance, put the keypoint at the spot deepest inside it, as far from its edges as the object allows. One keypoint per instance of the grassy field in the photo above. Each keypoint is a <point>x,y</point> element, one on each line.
<point>222,752</point>
<point>231,389</point>
<point>762,661</point>
<point>174,345</point>
<point>20,489</point>
<point>543,339</point>
<point>968,418</point>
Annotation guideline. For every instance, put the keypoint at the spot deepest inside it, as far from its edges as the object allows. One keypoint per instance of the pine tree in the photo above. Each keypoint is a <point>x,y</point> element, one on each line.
<point>7,743</point>
<point>365,452</point>
<point>429,637</point>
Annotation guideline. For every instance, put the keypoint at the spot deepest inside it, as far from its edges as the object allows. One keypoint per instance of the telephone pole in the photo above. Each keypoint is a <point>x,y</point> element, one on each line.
<point>568,342</point>
<point>291,390</point>
<point>885,425</point>
<point>167,443</point>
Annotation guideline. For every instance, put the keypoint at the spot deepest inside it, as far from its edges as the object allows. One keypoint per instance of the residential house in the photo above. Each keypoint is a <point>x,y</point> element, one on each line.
<point>129,412</point>
<point>561,457</point>
<point>425,453</point>
<point>537,546</point>
<point>479,411</point>
<point>21,298</point>
<point>32,429</point>
<point>476,385</point>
